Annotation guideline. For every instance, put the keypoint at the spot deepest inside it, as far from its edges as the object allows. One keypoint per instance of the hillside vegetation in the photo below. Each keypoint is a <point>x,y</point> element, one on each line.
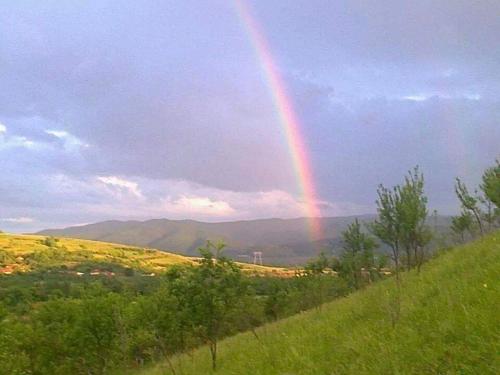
<point>24,253</point>
<point>67,310</point>
<point>448,324</point>
<point>282,241</point>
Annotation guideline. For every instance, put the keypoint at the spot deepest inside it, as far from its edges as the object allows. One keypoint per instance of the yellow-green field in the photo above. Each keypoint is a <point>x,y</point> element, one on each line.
<point>70,252</point>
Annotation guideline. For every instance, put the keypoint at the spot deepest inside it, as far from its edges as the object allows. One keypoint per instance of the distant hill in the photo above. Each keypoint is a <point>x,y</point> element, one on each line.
<point>282,241</point>
<point>26,253</point>
<point>448,324</point>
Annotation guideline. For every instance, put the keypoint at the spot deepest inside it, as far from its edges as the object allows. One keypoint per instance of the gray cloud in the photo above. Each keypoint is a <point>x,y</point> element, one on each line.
<point>170,95</point>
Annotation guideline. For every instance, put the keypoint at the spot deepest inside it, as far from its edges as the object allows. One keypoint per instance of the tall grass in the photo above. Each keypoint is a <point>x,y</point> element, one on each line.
<point>449,323</point>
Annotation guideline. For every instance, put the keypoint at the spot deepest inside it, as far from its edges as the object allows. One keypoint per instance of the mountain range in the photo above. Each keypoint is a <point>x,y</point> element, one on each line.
<point>281,241</point>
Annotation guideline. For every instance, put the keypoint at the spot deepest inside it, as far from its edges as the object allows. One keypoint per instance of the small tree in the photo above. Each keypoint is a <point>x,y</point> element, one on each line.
<point>357,254</point>
<point>402,213</point>
<point>490,214</point>
<point>412,213</point>
<point>462,224</point>
<point>491,184</point>
<point>278,300</point>
<point>211,296</point>
<point>50,241</point>
<point>387,227</point>
<point>491,189</point>
<point>469,202</point>
<point>317,281</point>
<point>159,326</point>
<point>318,265</point>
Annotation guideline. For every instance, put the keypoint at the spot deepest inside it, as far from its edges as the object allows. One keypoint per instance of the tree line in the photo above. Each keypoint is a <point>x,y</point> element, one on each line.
<point>403,225</point>
<point>480,210</point>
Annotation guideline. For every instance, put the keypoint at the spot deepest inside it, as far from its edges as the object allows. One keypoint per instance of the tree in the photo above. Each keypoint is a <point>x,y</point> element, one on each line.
<point>469,202</point>
<point>357,254</point>
<point>387,227</point>
<point>490,214</point>
<point>277,300</point>
<point>491,184</point>
<point>13,357</point>
<point>412,213</point>
<point>491,190</point>
<point>402,213</point>
<point>158,325</point>
<point>210,295</point>
<point>318,265</point>
<point>98,336</point>
<point>50,241</point>
<point>462,224</point>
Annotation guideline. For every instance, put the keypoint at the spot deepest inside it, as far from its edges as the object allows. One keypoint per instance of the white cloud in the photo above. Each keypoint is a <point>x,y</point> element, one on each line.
<point>121,184</point>
<point>19,220</point>
<point>61,134</point>
<point>416,98</point>
<point>180,199</point>
<point>7,141</point>
<point>473,96</point>
<point>199,205</point>
<point>68,200</point>
<point>23,142</point>
<point>70,141</point>
<point>16,141</point>
<point>424,97</point>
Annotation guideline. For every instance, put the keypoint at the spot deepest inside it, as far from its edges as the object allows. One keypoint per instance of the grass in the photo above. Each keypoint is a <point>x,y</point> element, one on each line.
<point>449,324</point>
<point>72,252</point>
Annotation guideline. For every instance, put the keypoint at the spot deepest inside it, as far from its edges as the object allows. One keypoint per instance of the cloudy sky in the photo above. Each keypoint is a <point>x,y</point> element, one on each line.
<point>137,110</point>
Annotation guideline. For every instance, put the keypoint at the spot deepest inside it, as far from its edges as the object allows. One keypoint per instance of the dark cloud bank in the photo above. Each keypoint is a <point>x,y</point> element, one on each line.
<point>159,109</point>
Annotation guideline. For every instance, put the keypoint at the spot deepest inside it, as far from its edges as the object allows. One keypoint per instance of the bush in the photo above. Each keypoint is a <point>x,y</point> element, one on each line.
<point>50,241</point>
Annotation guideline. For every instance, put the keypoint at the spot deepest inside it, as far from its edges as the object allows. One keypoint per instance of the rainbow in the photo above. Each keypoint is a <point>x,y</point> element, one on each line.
<point>288,118</point>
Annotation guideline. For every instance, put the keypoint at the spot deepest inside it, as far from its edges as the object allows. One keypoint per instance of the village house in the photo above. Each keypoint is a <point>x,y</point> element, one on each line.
<point>7,270</point>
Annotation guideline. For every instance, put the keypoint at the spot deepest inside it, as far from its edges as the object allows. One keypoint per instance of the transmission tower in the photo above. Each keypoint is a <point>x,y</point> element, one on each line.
<point>257,257</point>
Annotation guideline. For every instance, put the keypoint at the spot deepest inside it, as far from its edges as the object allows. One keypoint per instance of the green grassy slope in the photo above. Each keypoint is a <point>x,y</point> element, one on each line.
<point>449,324</point>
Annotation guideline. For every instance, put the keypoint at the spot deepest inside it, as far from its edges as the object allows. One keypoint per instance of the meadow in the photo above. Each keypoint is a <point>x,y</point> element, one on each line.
<point>448,324</point>
<point>24,253</point>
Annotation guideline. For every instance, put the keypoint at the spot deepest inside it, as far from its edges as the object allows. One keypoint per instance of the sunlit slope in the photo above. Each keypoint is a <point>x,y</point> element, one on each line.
<point>28,249</point>
<point>24,253</point>
<point>449,324</point>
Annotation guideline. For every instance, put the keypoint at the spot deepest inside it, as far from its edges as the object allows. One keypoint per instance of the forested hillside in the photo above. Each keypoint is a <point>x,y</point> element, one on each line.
<point>281,241</point>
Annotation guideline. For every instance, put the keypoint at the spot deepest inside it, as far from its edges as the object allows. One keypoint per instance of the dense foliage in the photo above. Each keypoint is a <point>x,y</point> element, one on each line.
<point>54,322</point>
